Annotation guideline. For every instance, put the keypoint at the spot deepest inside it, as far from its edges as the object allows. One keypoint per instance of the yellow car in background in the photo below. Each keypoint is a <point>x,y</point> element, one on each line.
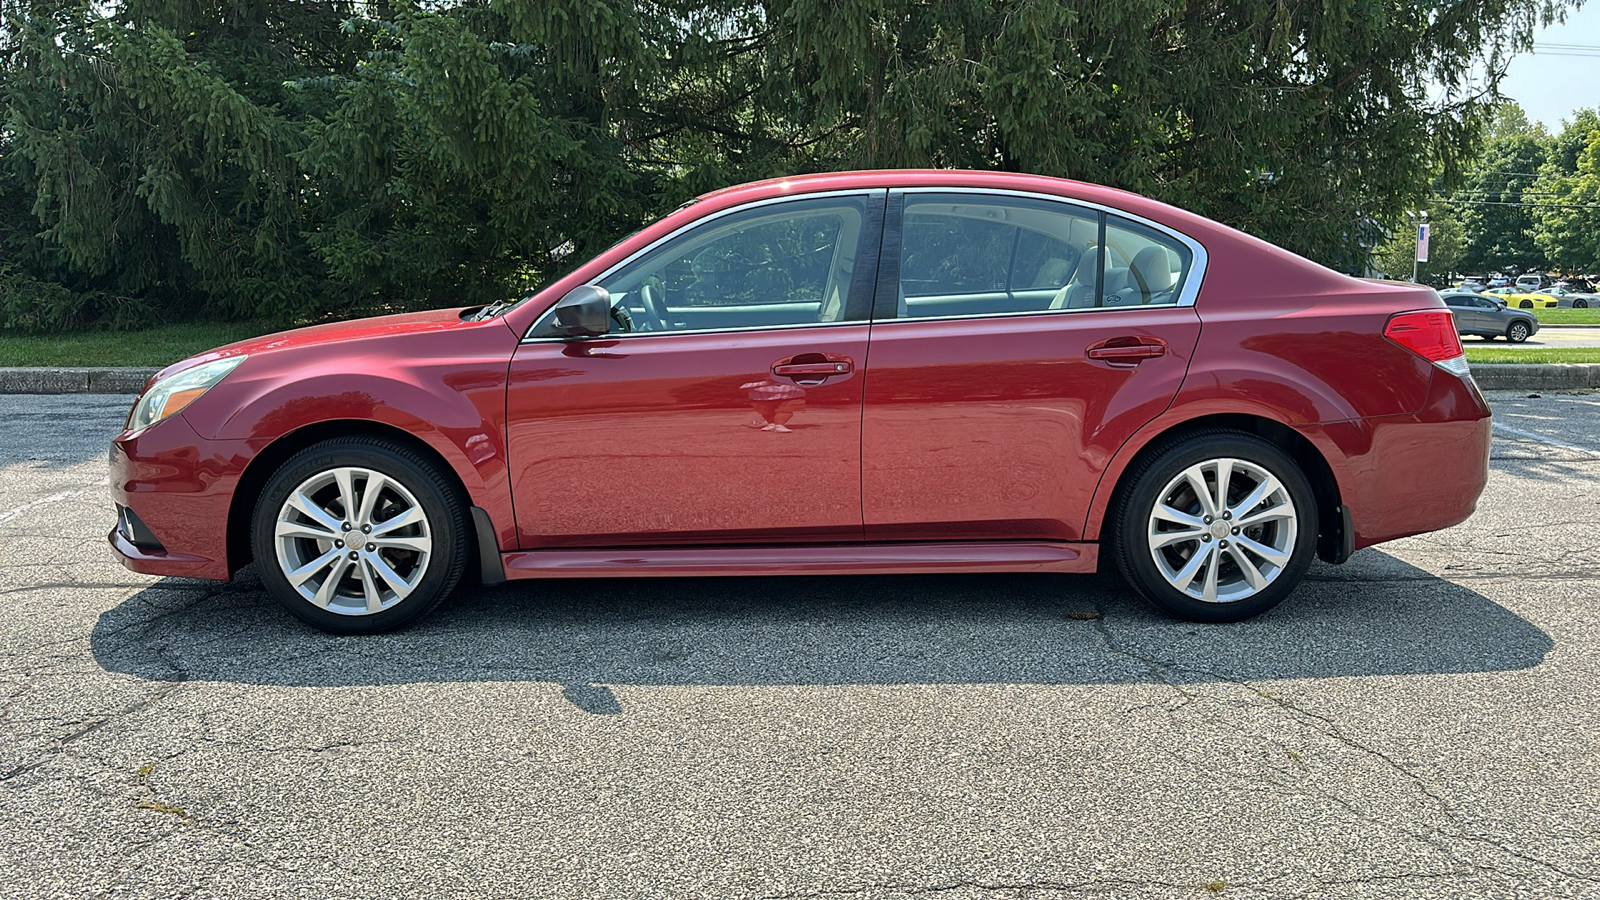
<point>1517,299</point>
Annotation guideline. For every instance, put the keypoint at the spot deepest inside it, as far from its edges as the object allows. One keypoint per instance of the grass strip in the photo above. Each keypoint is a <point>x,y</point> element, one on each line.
<point>151,347</point>
<point>1486,354</point>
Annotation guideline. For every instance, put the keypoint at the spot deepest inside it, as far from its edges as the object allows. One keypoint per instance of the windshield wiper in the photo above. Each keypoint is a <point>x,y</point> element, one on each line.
<point>493,309</point>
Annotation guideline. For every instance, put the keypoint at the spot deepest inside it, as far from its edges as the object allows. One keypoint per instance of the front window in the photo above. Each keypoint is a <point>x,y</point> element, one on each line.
<point>780,264</point>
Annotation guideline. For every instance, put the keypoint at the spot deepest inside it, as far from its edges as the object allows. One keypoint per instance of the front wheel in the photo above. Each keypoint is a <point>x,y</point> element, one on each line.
<point>1580,304</point>
<point>1526,304</point>
<point>359,535</point>
<point>1216,528</point>
<point>1517,332</point>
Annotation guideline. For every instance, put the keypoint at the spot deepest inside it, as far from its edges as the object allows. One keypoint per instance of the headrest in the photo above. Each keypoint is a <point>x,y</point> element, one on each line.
<point>1088,267</point>
<point>1152,273</point>
<point>1053,273</point>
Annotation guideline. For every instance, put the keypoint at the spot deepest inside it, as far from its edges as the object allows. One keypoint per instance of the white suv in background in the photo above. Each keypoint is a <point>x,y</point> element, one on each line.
<point>1530,282</point>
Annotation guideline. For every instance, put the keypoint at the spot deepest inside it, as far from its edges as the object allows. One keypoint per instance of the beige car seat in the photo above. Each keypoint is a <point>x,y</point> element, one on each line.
<point>1151,272</point>
<point>1079,292</point>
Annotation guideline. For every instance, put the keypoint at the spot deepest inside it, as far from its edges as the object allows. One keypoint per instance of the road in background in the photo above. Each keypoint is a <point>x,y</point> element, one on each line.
<point>1546,338</point>
<point>1420,722</point>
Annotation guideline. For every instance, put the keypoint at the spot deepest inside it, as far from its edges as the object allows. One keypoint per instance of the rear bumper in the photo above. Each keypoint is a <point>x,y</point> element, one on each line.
<point>180,488</point>
<point>1405,475</point>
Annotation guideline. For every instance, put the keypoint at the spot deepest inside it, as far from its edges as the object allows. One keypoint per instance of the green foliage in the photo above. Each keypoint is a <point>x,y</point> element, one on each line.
<point>1499,229</point>
<point>1569,188</point>
<point>290,160</point>
<point>1531,201</point>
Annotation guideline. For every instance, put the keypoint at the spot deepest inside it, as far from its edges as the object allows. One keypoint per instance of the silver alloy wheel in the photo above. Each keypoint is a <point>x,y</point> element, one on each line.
<point>353,541</point>
<point>1222,530</point>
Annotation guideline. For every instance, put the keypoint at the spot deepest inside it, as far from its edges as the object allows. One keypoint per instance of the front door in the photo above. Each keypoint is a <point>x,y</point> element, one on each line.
<point>1020,344</point>
<point>726,405</point>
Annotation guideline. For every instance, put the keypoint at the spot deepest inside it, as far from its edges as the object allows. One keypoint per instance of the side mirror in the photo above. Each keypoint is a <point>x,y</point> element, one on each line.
<point>585,311</point>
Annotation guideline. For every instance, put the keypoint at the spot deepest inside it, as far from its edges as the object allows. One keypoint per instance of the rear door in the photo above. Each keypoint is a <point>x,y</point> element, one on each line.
<point>1486,316</point>
<point>1017,343</point>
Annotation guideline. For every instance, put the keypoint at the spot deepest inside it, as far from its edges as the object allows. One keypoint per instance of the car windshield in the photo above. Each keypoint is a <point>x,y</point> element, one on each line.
<point>564,263</point>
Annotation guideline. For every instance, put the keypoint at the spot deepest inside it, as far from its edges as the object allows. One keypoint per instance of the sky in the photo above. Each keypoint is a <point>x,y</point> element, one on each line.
<point>1550,87</point>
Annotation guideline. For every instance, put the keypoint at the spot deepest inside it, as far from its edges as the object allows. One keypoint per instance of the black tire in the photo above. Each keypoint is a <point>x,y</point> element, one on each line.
<point>434,491</point>
<point>1580,304</point>
<point>1518,331</point>
<point>1526,304</point>
<point>1131,540</point>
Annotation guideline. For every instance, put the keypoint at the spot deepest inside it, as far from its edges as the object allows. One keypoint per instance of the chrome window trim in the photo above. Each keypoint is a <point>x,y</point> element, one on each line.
<point>623,335</point>
<point>1025,313</point>
<point>1192,280</point>
<point>712,217</point>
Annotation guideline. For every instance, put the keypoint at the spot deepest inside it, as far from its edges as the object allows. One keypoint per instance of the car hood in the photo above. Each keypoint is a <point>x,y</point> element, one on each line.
<point>329,333</point>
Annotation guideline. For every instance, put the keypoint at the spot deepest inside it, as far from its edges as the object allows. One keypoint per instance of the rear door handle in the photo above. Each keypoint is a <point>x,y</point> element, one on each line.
<point>1127,351</point>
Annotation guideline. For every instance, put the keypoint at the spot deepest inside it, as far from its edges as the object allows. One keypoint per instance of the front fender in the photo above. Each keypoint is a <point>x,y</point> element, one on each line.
<point>446,389</point>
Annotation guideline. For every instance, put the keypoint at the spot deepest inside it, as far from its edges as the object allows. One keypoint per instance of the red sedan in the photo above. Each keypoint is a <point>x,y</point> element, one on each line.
<point>884,372</point>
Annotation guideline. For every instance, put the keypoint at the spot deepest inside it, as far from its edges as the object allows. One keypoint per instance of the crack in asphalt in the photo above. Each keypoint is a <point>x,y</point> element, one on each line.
<point>61,743</point>
<point>59,585</point>
<point>1448,842</point>
<point>1331,729</point>
<point>913,889</point>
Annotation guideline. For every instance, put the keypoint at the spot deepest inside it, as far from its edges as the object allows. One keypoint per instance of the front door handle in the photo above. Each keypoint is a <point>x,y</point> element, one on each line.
<point>828,368</point>
<point>1127,351</point>
<point>812,368</point>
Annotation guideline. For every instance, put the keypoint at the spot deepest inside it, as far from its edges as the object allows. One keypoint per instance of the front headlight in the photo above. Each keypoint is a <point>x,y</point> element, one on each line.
<point>173,393</point>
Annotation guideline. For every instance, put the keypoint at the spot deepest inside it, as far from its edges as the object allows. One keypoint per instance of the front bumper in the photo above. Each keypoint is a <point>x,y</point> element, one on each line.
<point>179,488</point>
<point>161,562</point>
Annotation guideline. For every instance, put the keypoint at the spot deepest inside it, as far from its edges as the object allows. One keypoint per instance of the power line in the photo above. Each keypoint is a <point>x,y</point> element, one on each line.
<point>1579,50</point>
<point>1513,203</point>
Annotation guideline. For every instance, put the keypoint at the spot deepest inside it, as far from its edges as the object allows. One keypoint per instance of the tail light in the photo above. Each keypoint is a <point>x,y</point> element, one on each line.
<point>1431,334</point>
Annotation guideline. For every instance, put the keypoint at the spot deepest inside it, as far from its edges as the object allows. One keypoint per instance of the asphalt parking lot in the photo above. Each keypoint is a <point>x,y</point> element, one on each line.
<point>1421,722</point>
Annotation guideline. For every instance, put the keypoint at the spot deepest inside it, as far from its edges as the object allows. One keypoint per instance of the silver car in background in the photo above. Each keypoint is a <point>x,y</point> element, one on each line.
<point>1488,318</point>
<point>1569,298</point>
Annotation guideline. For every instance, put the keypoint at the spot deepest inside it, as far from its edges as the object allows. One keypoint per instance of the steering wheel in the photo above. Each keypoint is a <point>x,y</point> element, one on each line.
<point>653,305</point>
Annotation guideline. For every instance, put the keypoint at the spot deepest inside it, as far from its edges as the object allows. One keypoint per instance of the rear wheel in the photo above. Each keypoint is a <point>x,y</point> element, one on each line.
<point>359,535</point>
<point>1218,527</point>
<point>1517,332</point>
<point>1580,304</point>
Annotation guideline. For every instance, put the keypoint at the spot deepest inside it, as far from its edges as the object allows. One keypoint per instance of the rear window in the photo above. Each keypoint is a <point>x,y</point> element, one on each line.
<point>954,254</point>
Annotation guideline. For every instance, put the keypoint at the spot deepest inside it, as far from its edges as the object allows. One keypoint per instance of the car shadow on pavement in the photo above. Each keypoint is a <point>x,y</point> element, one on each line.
<point>1374,616</point>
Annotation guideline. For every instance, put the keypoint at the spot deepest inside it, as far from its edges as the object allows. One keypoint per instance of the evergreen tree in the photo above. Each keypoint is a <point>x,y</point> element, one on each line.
<point>243,158</point>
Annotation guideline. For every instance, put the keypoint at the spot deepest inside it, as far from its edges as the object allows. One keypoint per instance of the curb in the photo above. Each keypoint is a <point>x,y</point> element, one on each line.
<point>39,380</point>
<point>43,380</point>
<point>1544,325</point>
<point>1535,376</point>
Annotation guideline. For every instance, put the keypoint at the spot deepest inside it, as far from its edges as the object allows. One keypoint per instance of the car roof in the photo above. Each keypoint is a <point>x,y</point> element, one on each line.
<point>955,178</point>
<point>1191,223</point>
